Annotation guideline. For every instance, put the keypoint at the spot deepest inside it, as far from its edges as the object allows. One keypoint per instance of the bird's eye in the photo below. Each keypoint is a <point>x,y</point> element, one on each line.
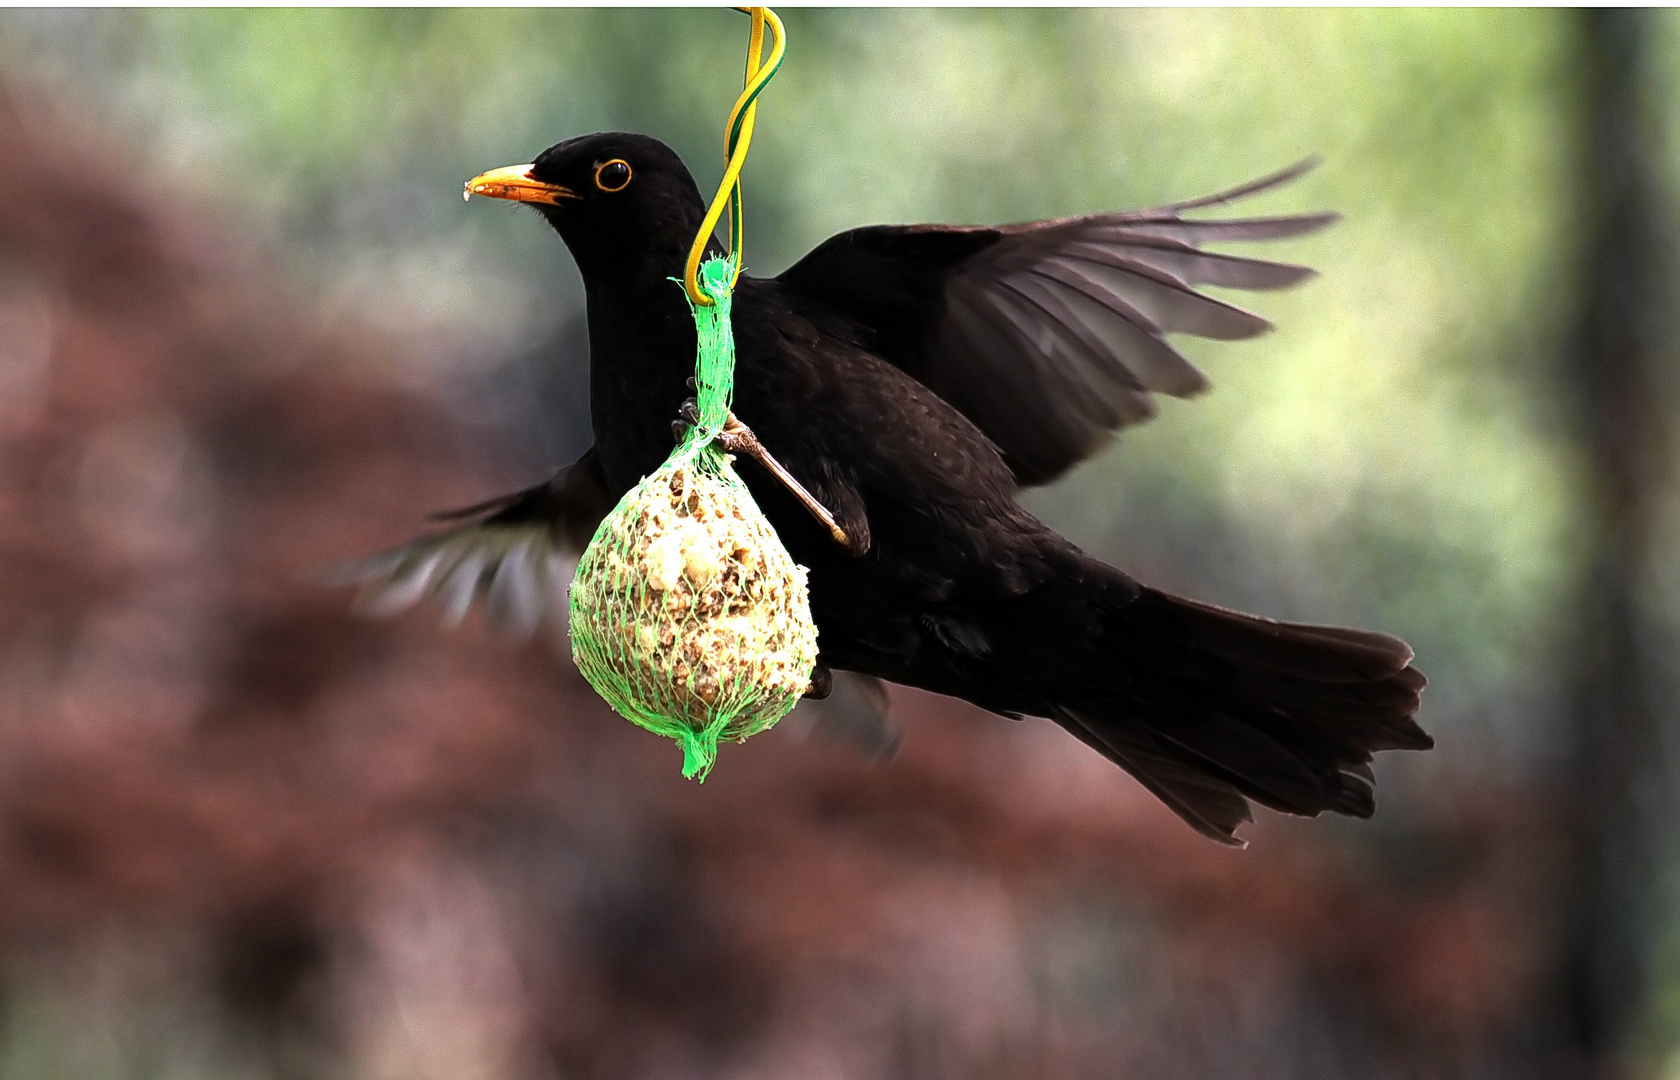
<point>613,175</point>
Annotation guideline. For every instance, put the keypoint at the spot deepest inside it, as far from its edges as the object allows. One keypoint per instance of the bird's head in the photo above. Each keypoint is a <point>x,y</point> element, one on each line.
<point>621,202</point>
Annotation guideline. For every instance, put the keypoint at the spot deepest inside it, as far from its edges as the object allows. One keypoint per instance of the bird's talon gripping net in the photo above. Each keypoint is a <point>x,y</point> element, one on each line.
<point>687,614</point>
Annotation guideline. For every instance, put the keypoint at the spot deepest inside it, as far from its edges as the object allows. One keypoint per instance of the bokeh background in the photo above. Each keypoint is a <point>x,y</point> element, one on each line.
<point>248,330</point>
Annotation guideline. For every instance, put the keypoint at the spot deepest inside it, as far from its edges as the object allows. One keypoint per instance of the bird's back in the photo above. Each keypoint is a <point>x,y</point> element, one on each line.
<point>953,564</point>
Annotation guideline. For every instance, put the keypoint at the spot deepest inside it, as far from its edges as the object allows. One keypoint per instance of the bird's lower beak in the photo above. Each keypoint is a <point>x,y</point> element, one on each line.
<point>515,182</point>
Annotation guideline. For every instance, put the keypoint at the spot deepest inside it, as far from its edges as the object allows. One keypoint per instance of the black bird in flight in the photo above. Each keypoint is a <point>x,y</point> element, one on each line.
<point>914,379</point>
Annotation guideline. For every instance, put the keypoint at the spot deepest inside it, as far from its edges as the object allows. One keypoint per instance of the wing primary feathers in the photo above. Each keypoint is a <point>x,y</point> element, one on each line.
<point>510,556</point>
<point>1230,230</point>
<point>1192,266</point>
<point>1177,308</point>
<point>1145,360</point>
<point>477,509</point>
<point>1005,323</point>
<point>1241,191</point>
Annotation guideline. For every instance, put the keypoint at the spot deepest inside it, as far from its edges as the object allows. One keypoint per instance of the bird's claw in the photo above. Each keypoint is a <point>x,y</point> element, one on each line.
<point>688,416</point>
<point>822,683</point>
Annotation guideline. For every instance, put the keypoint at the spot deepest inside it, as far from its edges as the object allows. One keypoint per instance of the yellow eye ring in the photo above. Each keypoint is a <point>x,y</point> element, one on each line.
<point>613,175</point>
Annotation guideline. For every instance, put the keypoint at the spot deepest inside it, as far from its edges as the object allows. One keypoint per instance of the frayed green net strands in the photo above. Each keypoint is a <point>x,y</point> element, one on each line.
<point>687,614</point>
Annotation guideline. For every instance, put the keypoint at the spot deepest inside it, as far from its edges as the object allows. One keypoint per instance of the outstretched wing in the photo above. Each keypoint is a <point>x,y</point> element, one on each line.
<point>511,551</point>
<point>1049,336</point>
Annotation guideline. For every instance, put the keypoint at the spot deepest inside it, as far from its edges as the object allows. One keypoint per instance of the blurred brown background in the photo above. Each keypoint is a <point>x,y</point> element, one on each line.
<point>248,331</point>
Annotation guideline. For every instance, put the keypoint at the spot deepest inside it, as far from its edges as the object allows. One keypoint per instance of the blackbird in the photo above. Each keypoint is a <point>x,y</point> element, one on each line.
<point>915,379</point>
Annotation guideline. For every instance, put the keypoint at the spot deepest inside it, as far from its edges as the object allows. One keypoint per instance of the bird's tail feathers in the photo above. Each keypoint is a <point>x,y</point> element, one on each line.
<point>1224,708</point>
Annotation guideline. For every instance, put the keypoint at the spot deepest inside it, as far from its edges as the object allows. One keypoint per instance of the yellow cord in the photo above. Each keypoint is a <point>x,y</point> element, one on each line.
<point>738,140</point>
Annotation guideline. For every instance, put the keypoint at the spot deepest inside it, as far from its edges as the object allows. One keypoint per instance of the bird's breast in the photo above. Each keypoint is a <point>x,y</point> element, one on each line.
<point>641,356</point>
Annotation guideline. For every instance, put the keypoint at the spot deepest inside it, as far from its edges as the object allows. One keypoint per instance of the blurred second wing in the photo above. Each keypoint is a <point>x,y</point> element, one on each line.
<point>511,550</point>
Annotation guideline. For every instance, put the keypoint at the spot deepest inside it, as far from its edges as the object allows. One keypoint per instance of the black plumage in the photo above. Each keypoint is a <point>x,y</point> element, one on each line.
<point>914,378</point>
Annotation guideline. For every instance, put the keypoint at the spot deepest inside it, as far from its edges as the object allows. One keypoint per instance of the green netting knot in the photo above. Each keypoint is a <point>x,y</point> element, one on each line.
<point>687,614</point>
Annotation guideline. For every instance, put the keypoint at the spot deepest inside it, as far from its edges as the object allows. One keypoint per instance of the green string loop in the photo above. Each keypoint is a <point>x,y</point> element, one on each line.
<point>714,363</point>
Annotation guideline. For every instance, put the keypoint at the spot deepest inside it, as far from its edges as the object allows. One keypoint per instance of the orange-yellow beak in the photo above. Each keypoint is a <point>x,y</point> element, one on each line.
<point>514,182</point>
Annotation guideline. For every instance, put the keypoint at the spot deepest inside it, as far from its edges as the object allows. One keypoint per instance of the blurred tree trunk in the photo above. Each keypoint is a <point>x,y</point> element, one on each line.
<point>1615,774</point>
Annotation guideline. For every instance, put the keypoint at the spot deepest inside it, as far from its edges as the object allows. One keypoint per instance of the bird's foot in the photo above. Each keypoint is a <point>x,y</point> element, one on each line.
<point>688,416</point>
<point>822,683</point>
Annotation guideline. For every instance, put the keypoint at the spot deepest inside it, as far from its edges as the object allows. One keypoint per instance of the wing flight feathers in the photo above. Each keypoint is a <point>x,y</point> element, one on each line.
<point>1051,336</point>
<point>513,554</point>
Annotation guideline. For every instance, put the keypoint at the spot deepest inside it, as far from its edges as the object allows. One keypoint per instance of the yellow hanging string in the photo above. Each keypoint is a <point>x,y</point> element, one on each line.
<point>739,139</point>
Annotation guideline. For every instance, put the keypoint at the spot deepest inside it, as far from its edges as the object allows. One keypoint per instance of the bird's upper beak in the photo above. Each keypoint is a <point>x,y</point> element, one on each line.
<point>515,182</point>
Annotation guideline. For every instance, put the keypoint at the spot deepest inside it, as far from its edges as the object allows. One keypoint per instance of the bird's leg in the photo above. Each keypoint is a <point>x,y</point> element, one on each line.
<point>737,438</point>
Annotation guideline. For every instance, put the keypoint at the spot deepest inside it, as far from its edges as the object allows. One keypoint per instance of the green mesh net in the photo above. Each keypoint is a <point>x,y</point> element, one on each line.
<point>687,614</point>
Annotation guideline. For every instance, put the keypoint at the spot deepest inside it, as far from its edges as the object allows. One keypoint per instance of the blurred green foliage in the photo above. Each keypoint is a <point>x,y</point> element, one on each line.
<point>1392,456</point>
<point>1400,454</point>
